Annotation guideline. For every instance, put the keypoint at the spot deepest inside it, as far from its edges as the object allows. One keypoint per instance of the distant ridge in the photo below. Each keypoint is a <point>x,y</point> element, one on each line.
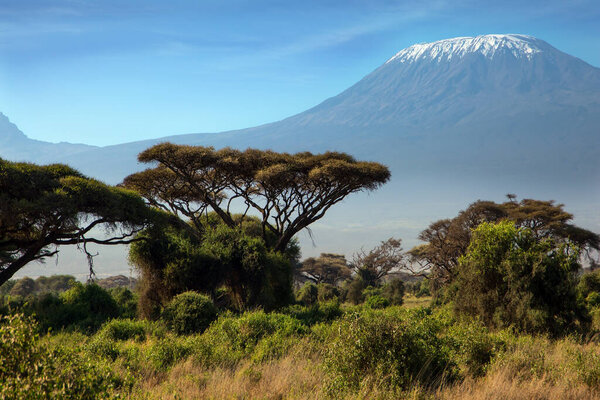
<point>16,146</point>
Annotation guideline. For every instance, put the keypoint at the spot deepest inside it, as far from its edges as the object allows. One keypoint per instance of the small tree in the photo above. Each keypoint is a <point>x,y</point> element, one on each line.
<point>509,277</point>
<point>327,268</point>
<point>371,267</point>
<point>394,292</point>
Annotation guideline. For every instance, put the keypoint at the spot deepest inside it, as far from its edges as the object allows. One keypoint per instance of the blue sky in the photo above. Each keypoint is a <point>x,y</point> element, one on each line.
<point>107,72</point>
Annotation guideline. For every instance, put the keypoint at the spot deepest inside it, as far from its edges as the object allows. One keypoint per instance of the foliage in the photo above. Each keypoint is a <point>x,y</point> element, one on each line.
<point>289,191</point>
<point>509,277</point>
<point>189,312</point>
<point>126,301</point>
<point>371,267</point>
<point>42,207</point>
<point>377,301</point>
<point>588,288</point>
<point>128,329</point>
<point>354,290</point>
<point>172,261</point>
<point>308,294</point>
<point>29,370</point>
<point>393,349</point>
<point>317,313</point>
<point>327,268</point>
<point>393,291</point>
<point>232,338</point>
<point>327,292</point>
<point>87,307</point>
<point>447,240</point>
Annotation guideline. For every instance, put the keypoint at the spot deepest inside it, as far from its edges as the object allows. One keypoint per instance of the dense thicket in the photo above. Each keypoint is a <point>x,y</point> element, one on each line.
<point>172,261</point>
<point>509,277</point>
<point>448,239</point>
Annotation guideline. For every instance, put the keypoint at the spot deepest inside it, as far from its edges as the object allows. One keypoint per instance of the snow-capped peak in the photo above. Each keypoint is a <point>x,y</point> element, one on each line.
<point>521,46</point>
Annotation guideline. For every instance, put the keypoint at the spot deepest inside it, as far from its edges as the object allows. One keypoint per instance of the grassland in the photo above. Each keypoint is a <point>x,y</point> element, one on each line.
<point>324,351</point>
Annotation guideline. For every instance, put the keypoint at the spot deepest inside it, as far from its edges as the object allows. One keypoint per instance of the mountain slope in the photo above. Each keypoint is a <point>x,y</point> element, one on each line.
<point>456,120</point>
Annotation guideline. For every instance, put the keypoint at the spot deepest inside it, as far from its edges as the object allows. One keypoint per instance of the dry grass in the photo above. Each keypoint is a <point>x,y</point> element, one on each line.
<point>531,369</point>
<point>287,378</point>
<point>411,301</point>
<point>501,384</point>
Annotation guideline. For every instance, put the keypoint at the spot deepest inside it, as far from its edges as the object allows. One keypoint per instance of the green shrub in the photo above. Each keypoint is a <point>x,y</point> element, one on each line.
<point>189,312</point>
<point>472,347</point>
<point>103,347</point>
<point>317,313</point>
<point>308,294</point>
<point>232,338</point>
<point>393,291</point>
<point>354,291</point>
<point>327,292</point>
<point>126,301</point>
<point>126,329</point>
<point>29,370</point>
<point>377,301</point>
<point>393,348</point>
<point>166,352</point>
<point>593,299</point>
<point>588,283</point>
<point>510,278</point>
<point>424,288</point>
<point>87,307</point>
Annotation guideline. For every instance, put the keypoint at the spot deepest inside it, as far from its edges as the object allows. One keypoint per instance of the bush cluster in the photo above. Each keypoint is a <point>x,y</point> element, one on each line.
<point>189,312</point>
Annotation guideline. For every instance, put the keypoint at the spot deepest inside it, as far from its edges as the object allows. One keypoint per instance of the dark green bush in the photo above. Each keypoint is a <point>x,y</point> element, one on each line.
<point>189,312</point>
<point>317,313</point>
<point>308,294</point>
<point>327,292</point>
<point>593,299</point>
<point>166,352</point>
<point>354,291</point>
<point>511,278</point>
<point>393,291</point>
<point>472,347</point>
<point>125,329</point>
<point>87,307</point>
<point>377,301</point>
<point>126,300</point>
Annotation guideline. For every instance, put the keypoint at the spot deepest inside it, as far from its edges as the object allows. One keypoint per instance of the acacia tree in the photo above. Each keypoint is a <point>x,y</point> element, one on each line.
<point>288,191</point>
<point>42,207</point>
<point>448,239</point>
<point>327,268</point>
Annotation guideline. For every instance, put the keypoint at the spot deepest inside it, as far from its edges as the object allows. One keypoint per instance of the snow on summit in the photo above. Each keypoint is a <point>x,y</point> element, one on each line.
<point>519,45</point>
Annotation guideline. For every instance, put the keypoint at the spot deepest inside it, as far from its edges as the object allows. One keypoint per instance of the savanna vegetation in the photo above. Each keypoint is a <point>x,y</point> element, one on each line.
<point>495,302</point>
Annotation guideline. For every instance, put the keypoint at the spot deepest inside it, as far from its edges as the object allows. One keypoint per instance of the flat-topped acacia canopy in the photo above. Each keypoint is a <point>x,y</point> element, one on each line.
<point>289,191</point>
<point>46,206</point>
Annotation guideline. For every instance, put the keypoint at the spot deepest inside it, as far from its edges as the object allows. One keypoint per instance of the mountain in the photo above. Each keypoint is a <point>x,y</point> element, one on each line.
<point>456,120</point>
<point>15,146</point>
<point>500,104</point>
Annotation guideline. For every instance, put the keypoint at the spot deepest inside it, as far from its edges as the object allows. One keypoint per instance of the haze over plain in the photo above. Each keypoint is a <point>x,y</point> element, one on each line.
<point>454,131</point>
